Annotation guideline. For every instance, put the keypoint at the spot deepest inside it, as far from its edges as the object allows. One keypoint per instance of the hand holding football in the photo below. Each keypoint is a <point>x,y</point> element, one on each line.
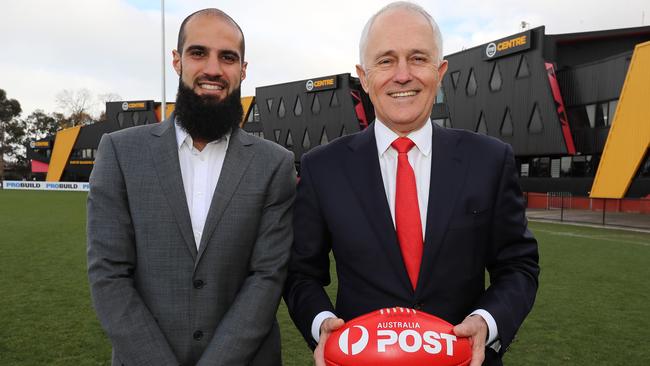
<point>397,337</point>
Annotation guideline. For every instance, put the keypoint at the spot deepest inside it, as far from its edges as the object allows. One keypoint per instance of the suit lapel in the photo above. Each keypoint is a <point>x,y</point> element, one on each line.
<point>448,172</point>
<point>364,172</point>
<point>238,157</point>
<point>164,150</point>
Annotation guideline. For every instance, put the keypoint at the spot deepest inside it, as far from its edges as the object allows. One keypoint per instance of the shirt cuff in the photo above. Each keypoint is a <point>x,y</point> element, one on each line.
<point>493,331</point>
<point>318,320</point>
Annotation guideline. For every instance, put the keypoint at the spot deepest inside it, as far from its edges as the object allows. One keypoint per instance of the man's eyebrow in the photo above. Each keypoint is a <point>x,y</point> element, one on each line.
<point>229,53</point>
<point>412,51</point>
<point>195,47</point>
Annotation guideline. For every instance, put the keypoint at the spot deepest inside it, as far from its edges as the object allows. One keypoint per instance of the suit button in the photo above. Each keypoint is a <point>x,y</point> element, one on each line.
<point>198,284</point>
<point>198,335</point>
<point>418,306</point>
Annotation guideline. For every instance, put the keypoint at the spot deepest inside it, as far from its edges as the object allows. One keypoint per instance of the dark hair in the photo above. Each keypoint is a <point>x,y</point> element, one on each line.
<point>213,12</point>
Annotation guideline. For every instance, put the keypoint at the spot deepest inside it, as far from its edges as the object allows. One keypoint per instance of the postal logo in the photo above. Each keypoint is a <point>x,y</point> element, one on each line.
<point>491,50</point>
<point>356,347</point>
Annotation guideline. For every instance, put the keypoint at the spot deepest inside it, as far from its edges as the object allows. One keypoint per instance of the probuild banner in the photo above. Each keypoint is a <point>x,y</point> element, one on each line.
<point>46,186</point>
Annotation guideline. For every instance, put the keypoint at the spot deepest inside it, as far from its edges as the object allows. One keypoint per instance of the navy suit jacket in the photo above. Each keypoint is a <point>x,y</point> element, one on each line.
<point>475,221</point>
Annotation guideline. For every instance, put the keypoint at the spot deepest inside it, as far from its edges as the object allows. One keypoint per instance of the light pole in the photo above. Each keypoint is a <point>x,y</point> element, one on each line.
<point>163,111</point>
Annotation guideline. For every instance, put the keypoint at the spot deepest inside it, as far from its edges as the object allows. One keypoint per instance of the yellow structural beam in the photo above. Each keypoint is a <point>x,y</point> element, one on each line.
<point>65,140</point>
<point>629,136</point>
<point>246,103</point>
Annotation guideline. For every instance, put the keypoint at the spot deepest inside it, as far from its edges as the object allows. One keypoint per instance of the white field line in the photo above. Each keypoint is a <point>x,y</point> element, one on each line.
<point>594,237</point>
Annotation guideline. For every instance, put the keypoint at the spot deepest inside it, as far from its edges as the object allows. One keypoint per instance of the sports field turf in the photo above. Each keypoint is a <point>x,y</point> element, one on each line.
<point>593,305</point>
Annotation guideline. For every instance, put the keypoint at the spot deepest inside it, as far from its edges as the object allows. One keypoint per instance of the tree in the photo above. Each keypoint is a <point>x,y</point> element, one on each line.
<point>77,104</point>
<point>102,99</point>
<point>39,125</point>
<point>10,128</point>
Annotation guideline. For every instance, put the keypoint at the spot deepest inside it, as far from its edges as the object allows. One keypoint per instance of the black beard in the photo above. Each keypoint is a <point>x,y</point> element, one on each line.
<point>205,118</point>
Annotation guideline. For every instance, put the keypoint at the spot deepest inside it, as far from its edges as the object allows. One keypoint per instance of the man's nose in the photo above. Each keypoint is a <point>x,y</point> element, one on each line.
<point>402,73</point>
<point>212,66</point>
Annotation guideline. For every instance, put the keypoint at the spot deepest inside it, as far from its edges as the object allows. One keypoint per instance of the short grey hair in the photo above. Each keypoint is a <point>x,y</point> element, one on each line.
<point>437,37</point>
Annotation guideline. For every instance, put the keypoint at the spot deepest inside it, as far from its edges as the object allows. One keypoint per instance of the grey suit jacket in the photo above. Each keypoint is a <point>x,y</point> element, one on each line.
<point>161,301</point>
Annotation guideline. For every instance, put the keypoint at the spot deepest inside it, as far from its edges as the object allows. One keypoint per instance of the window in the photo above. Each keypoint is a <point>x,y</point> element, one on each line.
<point>471,86</point>
<point>281,110</point>
<point>591,114</point>
<point>495,79</point>
<point>481,127</point>
<point>535,124</point>
<point>440,96</point>
<point>522,70</point>
<point>289,141</point>
<point>506,125</point>
<point>454,78</point>
<point>443,122</point>
<point>306,142</point>
<point>315,104</point>
<point>612,110</point>
<point>323,137</point>
<point>555,168</point>
<point>254,115</point>
<point>602,114</point>
<point>297,108</point>
<point>540,167</point>
<point>335,100</point>
<point>565,166</point>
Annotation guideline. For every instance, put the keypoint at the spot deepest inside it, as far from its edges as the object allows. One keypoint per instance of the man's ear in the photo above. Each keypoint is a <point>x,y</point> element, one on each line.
<point>442,69</point>
<point>176,61</point>
<point>243,70</point>
<point>362,76</point>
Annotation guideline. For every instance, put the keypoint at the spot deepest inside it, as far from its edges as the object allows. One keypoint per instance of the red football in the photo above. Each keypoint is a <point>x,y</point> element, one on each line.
<point>397,337</point>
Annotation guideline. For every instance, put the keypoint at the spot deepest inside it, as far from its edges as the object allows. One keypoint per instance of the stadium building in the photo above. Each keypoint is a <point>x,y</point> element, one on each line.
<point>573,106</point>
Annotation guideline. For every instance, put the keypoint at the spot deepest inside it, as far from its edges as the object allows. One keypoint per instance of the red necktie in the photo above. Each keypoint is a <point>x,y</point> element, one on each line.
<point>407,212</point>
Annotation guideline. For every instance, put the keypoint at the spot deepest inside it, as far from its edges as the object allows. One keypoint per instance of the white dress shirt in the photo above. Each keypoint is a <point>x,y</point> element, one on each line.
<point>420,159</point>
<point>200,171</point>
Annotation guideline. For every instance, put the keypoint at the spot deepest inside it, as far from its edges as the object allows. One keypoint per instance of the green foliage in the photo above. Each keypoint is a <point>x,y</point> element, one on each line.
<point>39,124</point>
<point>12,131</point>
<point>591,308</point>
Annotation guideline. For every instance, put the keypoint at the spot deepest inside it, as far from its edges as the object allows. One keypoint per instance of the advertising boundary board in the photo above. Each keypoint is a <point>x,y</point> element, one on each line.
<point>46,186</point>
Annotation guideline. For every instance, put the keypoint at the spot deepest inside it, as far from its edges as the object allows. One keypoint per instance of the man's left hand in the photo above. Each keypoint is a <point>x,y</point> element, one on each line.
<point>475,328</point>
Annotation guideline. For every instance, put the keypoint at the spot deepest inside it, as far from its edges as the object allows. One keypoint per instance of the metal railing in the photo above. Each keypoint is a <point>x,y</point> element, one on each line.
<point>565,207</point>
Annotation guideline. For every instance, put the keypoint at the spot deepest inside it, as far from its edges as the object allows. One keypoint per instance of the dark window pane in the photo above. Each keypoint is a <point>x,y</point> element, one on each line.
<point>506,125</point>
<point>535,124</point>
<point>471,84</point>
<point>454,78</point>
<point>523,70</point>
<point>495,79</point>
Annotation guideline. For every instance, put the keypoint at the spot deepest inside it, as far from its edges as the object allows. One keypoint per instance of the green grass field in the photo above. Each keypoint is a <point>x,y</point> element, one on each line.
<point>592,307</point>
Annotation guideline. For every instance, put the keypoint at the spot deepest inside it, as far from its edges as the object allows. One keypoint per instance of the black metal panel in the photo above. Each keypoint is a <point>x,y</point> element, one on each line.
<point>573,49</point>
<point>506,91</point>
<point>322,115</point>
<point>590,140</point>
<point>594,82</point>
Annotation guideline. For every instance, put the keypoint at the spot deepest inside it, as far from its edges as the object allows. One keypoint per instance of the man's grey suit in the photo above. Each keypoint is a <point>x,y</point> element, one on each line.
<point>160,300</point>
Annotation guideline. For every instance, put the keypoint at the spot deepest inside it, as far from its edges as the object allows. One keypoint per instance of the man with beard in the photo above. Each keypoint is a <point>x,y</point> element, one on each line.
<point>189,220</point>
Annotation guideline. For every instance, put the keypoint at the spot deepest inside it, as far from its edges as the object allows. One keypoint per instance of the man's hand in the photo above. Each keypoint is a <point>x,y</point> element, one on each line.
<point>326,328</point>
<point>476,329</point>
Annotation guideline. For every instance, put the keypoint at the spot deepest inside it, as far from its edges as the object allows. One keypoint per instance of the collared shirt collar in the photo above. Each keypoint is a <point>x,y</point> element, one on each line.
<point>422,137</point>
<point>183,137</point>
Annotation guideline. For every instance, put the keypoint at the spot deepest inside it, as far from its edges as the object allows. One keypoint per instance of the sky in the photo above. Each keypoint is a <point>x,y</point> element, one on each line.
<point>114,46</point>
